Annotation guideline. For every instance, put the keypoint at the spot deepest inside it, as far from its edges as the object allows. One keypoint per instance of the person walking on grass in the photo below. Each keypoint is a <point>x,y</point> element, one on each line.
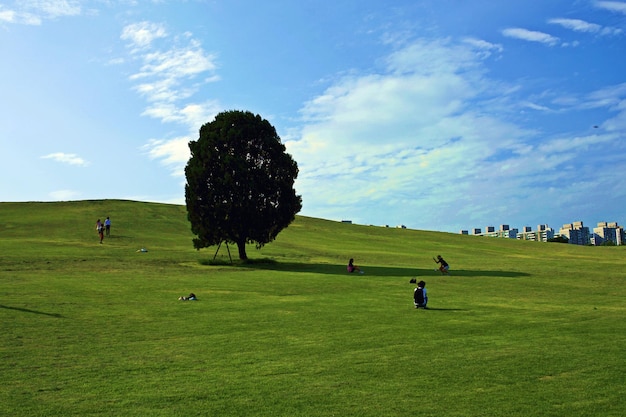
<point>100,230</point>
<point>107,226</point>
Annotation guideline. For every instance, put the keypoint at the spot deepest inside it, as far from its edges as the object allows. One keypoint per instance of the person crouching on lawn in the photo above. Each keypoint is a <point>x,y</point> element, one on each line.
<point>443,265</point>
<point>420,299</point>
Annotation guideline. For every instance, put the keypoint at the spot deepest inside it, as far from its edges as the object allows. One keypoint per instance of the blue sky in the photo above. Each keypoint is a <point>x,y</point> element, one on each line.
<point>436,114</point>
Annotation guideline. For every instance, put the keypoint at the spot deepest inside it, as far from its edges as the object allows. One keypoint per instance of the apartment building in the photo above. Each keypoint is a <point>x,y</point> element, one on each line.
<point>577,233</point>
<point>505,232</point>
<point>542,234</point>
<point>608,232</point>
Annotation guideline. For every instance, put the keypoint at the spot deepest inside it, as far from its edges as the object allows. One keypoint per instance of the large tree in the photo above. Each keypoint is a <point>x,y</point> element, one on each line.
<point>239,183</point>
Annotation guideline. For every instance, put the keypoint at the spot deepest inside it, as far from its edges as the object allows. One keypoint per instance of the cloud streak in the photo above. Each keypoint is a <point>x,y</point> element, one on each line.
<point>66,158</point>
<point>613,6</point>
<point>34,12</point>
<point>530,36</point>
<point>140,35</point>
<point>578,25</point>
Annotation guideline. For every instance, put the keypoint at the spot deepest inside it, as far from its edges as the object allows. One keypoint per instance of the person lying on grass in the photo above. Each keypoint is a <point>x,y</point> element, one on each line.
<point>190,297</point>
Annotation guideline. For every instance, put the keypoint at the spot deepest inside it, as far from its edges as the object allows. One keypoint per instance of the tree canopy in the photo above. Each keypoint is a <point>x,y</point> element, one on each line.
<point>239,182</point>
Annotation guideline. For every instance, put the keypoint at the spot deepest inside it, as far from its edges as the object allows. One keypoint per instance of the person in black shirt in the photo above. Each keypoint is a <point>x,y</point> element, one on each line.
<point>420,299</point>
<point>443,265</point>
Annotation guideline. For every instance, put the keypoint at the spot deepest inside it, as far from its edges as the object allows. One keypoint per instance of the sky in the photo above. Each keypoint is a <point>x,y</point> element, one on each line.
<point>434,114</point>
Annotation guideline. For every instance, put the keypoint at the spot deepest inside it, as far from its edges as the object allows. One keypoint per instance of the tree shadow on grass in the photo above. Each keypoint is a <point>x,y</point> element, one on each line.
<point>26,310</point>
<point>481,273</point>
<point>375,271</point>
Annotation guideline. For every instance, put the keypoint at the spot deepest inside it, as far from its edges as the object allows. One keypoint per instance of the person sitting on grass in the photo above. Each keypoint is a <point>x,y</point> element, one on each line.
<point>420,299</point>
<point>190,297</point>
<point>352,267</point>
<point>443,265</point>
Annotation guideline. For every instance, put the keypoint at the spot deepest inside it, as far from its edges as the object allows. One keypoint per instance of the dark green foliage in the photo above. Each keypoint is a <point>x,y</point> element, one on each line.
<point>239,182</point>
<point>559,239</point>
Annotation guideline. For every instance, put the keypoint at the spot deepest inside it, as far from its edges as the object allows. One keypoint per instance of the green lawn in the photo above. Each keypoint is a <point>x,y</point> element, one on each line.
<point>518,329</point>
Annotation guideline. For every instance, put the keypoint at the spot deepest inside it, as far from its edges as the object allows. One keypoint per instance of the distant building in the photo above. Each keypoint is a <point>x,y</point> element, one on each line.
<point>504,232</point>
<point>527,234</point>
<point>508,232</point>
<point>542,234</point>
<point>576,232</point>
<point>545,232</point>
<point>608,232</point>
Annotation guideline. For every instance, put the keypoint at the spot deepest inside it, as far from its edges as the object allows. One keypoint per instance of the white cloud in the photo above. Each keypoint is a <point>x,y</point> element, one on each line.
<point>583,26</point>
<point>383,137</point>
<point>575,145</point>
<point>17,17</point>
<point>142,34</point>
<point>8,16</point>
<point>535,106</point>
<point>197,114</point>
<point>163,72</point>
<point>611,31</point>
<point>53,8</point>
<point>168,77</point>
<point>530,35</point>
<point>64,195</point>
<point>166,90</point>
<point>614,99</point>
<point>617,123</point>
<point>614,6</point>
<point>429,140</point>
<point>34,12</point>
<point>482,45</point>
<point>187,61</point>
<point>609,97</point>
<point>66,158</point>
<point>192,115</point>
<point>173,153</point>
<point>577,25</point>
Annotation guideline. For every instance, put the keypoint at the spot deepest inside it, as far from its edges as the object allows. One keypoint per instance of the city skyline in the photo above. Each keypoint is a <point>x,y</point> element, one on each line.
<point>509,227</point>
<point>575,232</point>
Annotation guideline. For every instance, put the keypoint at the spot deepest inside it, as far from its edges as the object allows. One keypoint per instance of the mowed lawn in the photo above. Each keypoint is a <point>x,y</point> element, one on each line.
<point>518,329</point>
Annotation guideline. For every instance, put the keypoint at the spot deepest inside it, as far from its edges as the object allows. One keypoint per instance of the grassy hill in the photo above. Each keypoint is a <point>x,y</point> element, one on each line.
<point>518,329</point>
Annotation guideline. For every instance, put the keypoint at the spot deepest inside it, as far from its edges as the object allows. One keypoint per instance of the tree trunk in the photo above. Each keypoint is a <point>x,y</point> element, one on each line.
<point>242,250</point>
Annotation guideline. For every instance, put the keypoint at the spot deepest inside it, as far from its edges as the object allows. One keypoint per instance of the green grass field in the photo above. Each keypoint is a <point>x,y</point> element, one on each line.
<point>518,329</point>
